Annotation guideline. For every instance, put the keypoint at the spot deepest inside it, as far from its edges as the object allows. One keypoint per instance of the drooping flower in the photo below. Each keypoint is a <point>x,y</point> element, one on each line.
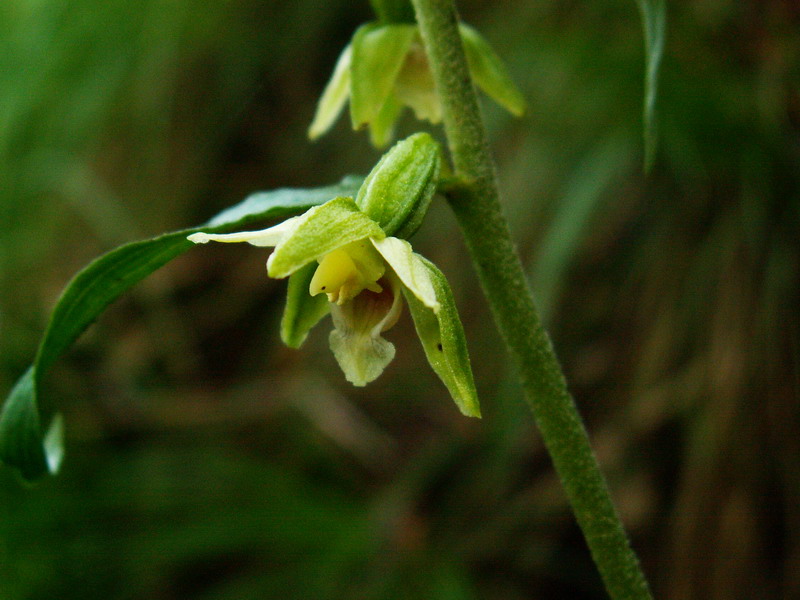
<point>385,68</point>
<point>347,257</point>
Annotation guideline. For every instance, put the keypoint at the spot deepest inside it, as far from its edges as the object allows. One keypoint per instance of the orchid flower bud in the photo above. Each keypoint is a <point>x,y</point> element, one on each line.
<point>399,189</point>
<point>385,68</point>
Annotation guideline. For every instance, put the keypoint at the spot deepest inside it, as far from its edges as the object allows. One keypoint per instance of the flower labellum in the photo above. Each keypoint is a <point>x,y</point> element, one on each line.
<point>356,339</point>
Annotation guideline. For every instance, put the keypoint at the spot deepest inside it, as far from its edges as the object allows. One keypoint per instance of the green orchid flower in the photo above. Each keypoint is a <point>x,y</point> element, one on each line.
<point>385,68</point>
<point>348,257</point>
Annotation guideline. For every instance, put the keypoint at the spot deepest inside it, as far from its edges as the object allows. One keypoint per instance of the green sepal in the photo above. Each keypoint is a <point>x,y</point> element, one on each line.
<point>410,269</point>
<point>397,192</point>
<point>442,337</point>
<point>323,229</point>
<point>381,129</point>
<point>302,310</point>
<point>490,73</point>
<point>334,97</point>
<point>378,55</point>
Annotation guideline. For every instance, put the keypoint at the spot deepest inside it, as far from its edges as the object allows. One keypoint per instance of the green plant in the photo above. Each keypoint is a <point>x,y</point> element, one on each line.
<point>472,191</point>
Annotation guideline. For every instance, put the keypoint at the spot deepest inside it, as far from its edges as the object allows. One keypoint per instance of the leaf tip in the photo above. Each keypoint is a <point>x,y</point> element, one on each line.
<point>54,444</point>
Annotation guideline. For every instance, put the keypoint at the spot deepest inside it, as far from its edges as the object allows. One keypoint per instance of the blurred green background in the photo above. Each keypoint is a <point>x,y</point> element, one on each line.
<point>207,461</point>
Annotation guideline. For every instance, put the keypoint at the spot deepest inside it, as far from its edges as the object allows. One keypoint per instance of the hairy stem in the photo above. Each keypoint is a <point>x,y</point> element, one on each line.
<point>476,204</point>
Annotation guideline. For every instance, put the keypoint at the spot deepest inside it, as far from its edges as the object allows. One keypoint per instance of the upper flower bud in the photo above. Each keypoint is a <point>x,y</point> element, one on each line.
<point>397,192</point>
<point>385,67</point>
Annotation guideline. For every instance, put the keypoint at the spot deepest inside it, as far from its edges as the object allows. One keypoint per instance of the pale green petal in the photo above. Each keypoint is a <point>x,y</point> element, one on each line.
<point>410,268</point>
<point>415,86</point>
<point>302,310</point>
<point>378,55</point>
<point>381,128</point>
<point>334,97</point>
<point>489,72</point>
<point>321,229</point>
<point>445,345</point>
<point>271,236</point>
<point>356,341</point>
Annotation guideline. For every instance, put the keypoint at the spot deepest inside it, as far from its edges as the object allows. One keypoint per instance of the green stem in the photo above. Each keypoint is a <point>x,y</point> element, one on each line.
<point>393,11</point>
<point>476,204</point>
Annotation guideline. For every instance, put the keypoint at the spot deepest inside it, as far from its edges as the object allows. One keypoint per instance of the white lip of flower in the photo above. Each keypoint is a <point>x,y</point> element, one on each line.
<point>363,277</point>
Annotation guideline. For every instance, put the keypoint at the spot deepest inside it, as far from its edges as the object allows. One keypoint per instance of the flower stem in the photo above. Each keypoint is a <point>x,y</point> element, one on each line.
<point>476,204</point>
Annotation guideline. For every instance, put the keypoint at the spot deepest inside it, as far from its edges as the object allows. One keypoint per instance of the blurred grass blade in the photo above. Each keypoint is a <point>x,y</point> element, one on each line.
<point>654,23</point>
<point>22,444</point>
<point>583,200</point>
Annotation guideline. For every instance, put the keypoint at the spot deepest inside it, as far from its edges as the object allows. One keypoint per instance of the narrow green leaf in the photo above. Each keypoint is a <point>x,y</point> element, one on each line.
<point>99,284</point>
<point>654,23</point>
<point>22,443</point>
<point>489,71</point>
<point>302,310</point>
<point>281,202</point>
<point>378,55</point>
<point>445,344</point>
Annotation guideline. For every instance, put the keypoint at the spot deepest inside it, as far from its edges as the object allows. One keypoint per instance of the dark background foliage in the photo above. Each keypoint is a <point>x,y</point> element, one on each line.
<point>207,461</point>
